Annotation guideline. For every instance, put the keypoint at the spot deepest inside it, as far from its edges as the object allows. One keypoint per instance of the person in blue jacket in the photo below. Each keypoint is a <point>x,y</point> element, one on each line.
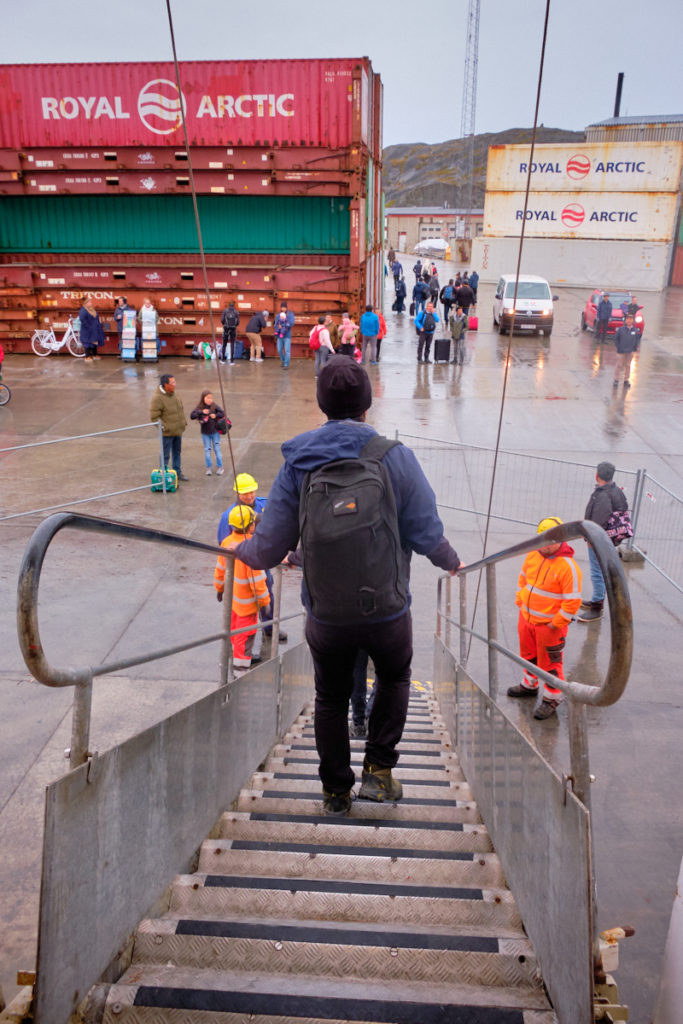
<point>425,325</point>
<point>283,333</point>
<point>344,394</point>
<point>369,329</point>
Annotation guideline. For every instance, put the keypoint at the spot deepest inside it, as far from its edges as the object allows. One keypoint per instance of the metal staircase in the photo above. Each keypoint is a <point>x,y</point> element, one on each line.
<point>397,913</point>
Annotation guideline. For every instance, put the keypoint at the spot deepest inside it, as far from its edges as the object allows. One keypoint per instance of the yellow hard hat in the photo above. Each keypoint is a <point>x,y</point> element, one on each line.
<point>241,517</point>
<point>548,523</point>
<point>244,483</point>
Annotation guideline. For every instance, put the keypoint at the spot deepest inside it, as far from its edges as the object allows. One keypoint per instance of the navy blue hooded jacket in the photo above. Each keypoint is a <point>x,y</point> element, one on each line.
<point>420,527</point>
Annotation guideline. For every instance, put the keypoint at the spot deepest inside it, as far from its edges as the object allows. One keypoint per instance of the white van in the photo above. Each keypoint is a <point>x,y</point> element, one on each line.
<point>534,311</point>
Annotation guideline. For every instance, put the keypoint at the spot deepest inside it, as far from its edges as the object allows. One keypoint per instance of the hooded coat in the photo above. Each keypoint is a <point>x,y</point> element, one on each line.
<point>420,527</point>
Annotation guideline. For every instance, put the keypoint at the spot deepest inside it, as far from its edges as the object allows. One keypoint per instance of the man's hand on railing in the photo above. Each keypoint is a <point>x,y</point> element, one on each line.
<point>219,596</point>
<point>454,572</point>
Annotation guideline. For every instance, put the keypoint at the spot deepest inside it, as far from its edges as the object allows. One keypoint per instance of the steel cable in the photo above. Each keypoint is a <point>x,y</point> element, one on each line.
<point>514,306</point>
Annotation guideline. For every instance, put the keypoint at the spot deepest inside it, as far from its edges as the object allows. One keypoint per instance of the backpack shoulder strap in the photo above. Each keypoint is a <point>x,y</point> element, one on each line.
<point>377,447</point>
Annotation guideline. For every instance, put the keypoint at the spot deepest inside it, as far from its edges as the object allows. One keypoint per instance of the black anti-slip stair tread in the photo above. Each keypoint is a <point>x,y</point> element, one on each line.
<point>314,932</point>
<point>352,851</point>
<point>323,1007</point>
<point>293,794</point>
<point>315,819</point>
<point>293,776</point>
<point>327,886</point>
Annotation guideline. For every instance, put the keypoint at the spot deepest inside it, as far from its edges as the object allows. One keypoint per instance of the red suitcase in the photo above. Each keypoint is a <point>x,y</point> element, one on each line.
<point>472,323</point>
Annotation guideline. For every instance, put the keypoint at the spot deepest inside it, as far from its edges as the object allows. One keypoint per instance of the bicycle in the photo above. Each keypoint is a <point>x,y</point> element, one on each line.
<point>5,394</point>
<point>43,342</point>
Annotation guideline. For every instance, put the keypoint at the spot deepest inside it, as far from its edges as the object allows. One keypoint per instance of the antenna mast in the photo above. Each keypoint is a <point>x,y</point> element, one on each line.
<point>469,105</point>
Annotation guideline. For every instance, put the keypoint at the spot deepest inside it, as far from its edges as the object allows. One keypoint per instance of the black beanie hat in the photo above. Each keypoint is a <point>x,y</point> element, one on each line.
<point>344,391</point>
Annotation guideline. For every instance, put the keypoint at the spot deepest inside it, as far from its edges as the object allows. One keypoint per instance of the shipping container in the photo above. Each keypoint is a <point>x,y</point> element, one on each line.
<point>325,103</point>
<point>615,216</point>
<point>116,182</point>
<point>283,224</point>
<point>603,167</point>
<point>577,263</point>
<point>207,158</point>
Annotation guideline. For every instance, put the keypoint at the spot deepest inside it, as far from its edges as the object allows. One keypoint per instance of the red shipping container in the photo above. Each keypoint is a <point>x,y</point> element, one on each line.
<point>268,182</point>
<point>150,158</point>
<point>229,103</point>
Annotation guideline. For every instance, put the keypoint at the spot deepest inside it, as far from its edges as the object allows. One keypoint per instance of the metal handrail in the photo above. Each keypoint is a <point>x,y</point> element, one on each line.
<point>81,678</point>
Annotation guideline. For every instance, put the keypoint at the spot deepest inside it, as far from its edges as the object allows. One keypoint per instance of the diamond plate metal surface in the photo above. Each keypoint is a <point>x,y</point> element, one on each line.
<point>484,872</point>
<point>443,967</point>
<point>496,910</point>
<point>254,802</point>
<point>239,825</point>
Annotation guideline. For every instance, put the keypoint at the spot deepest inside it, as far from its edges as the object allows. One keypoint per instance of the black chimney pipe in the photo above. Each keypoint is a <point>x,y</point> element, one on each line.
<point>617,98</point>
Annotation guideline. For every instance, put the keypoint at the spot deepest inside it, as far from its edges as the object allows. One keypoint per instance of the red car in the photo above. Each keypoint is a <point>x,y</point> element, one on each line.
<point>590,313</point>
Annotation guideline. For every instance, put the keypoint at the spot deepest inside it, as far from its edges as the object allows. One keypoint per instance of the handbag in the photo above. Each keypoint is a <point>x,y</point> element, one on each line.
<point>619,527</point>
<point>223,425</point>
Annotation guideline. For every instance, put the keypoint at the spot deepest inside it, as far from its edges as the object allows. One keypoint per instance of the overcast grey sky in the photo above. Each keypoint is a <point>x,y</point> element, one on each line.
<point>417,46</point>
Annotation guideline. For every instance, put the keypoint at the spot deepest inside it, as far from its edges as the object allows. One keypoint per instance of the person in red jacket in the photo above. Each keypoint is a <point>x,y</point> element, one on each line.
<point>548,597</point>
<point>382,331</point>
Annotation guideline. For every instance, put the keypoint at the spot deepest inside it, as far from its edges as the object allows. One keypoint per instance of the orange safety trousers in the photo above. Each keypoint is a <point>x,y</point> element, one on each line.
<point>544,646</point>
<point>243,643</point>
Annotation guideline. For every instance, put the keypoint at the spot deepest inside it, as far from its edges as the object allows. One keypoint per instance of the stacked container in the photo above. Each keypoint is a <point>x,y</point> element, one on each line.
<point>95,193</point>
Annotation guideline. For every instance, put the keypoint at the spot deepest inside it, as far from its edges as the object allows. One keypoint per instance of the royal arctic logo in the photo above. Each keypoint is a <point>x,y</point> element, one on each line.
<point>578,166</point>
<point>573,215</point>
<point>149,184</point>
<point>159,106</point>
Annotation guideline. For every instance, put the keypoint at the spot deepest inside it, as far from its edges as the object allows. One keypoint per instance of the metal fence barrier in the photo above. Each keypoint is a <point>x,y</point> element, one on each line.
<point>539,822</point>
<point>461,474</point>
<point>120,825</point>
<point>93,497</point>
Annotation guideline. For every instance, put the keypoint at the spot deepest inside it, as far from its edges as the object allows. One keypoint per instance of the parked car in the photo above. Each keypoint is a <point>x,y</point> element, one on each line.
<point>534,304</point>
<point>590,312</point>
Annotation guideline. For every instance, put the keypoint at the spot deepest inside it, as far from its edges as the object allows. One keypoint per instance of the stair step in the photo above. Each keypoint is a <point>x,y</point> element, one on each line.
<point>434,774</point>
<point>354,832</point>
<point>413,788</point>
<point>304,948</point>
<point>214,895</point>
<point>298,997</point>
<point>260,802</point>
<point>217,857</point>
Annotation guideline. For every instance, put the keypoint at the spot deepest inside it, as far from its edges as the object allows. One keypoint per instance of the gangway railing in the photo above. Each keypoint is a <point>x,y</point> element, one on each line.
<point>122,823</point>
<point>539,822</point>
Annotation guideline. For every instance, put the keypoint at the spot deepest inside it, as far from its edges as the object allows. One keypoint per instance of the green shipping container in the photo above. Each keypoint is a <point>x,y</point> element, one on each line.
<point>230,224</point>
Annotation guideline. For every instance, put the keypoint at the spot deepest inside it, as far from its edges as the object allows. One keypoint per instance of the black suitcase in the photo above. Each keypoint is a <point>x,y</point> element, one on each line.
<point>442,350</point>
<point>412,309</point>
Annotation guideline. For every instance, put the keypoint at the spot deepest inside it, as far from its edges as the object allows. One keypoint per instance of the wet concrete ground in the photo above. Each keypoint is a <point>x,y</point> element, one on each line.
<point>102,599</point>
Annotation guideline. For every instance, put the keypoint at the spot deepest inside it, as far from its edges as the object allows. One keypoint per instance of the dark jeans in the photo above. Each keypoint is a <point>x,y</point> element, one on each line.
<point>600,330</point>
<point>361,707</point>
<point>425,341</point>
<point>172,447</point>
<point>229,339</point>
<point>334,650</point>
<point>267,612</point>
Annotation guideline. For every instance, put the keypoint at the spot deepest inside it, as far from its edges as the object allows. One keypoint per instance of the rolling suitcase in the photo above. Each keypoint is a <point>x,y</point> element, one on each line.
<point>472,322</point>
<point>412,309</point>
<point>442,350</point>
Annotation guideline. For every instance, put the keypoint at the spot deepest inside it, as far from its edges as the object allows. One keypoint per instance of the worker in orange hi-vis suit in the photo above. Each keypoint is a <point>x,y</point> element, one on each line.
<point>548,596</point>
<point>249,592</point>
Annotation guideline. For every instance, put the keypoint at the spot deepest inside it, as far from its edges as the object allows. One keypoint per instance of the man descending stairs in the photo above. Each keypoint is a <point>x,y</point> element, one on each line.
<point>396,913</point>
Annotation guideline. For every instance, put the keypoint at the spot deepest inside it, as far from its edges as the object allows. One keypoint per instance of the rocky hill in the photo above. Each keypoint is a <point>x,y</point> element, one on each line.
<point>416,174</point>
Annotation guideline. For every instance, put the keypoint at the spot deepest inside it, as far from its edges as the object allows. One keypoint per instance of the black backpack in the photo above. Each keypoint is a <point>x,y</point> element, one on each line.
<point>428,324</point>
<point>230,318</point>
<point>353,564</point>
